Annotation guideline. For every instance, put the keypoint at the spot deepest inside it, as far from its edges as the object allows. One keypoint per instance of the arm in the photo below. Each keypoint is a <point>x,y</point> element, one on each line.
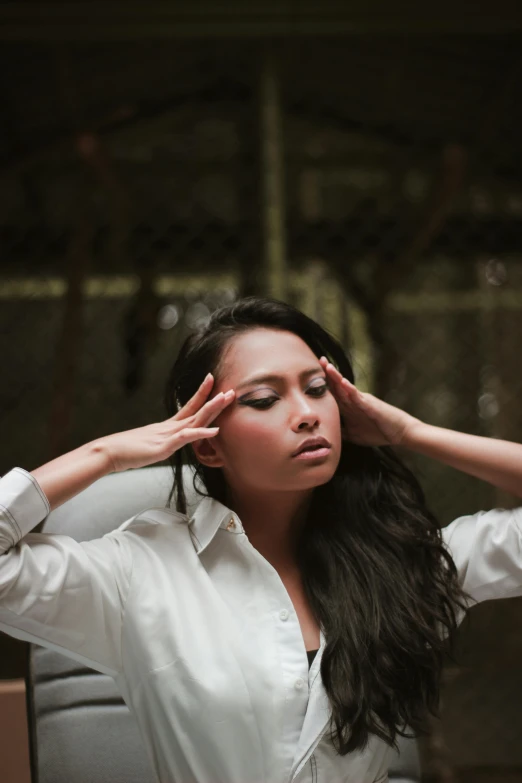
<point>55,591</point>
<point>498,462</point>
<point>369,421</point>
<point>486,546</point>
<point>71,595</point>
<point>71,473</point>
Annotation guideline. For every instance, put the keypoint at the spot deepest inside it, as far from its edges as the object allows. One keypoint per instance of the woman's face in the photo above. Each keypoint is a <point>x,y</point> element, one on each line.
<point>269,419</point>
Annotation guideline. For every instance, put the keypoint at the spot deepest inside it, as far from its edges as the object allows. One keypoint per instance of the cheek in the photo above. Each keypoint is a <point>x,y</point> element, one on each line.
<point>335,415</point>
<point>250,438</point>
<point>331,410</point>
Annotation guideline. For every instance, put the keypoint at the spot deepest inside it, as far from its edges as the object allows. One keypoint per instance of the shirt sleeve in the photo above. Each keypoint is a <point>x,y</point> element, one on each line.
<point>487,550</point>
<point>55,591</point>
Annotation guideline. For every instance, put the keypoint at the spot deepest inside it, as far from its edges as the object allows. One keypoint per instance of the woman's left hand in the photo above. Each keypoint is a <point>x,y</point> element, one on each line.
<point>367,420</point>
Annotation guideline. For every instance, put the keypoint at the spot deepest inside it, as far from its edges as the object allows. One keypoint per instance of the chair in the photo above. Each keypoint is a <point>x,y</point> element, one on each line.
<point>80,729</point>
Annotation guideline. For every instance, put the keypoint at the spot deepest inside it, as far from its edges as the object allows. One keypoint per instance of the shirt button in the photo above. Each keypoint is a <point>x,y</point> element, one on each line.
<point>283,614</point>
<point>298,684</point>
<point>231,525</point>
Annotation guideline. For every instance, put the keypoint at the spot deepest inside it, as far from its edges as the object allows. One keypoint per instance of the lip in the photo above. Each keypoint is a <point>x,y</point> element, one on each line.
<point>310,442</point>
<point>315,454</point>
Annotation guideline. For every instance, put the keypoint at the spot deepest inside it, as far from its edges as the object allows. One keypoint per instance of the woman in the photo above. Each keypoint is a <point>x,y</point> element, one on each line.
<point>312,537</point>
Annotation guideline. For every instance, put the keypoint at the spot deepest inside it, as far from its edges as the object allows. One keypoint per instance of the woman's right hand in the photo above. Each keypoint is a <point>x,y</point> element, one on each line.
<point>155,442</point>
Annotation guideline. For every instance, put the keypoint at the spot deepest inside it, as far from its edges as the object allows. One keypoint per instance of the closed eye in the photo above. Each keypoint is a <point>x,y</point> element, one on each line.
<point>262,403</point>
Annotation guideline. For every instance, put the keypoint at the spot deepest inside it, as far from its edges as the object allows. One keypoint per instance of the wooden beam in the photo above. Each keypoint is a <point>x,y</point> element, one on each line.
<point>92,21</point>
<point>272,177</point>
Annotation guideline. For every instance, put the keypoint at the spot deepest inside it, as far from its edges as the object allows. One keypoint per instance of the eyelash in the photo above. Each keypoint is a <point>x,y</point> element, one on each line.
<point>271,400</point>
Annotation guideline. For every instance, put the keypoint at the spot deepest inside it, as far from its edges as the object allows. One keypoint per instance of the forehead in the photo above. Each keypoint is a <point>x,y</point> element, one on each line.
<point>266,350</point>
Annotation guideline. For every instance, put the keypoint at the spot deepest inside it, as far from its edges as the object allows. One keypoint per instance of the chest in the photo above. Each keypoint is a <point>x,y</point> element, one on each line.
<point>307,621</point>
<point>217,677</point>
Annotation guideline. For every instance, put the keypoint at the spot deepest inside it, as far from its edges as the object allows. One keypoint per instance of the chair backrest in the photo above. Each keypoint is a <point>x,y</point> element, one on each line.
<point>80,729</point>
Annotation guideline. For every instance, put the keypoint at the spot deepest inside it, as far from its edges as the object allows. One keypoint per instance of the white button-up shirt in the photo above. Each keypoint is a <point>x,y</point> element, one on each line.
<point>200,635</point>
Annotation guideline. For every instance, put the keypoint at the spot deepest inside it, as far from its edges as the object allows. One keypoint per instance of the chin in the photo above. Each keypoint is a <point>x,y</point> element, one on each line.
<point>317,478</point>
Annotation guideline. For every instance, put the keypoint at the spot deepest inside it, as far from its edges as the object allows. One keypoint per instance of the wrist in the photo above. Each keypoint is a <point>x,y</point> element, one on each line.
<point>413,433</point>
<point>100,454</point>
<point>71,473</point>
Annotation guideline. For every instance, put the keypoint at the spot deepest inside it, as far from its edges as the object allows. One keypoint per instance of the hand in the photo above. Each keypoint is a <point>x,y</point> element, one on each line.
<point>367,420</point>
<point>155,442</point>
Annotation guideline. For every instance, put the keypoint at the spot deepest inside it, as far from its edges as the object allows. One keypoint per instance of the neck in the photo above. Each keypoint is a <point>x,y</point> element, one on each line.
<point>272,522</point>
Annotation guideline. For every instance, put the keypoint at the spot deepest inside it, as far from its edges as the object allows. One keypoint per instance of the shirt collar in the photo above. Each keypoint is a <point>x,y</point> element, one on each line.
<point>210,515</point>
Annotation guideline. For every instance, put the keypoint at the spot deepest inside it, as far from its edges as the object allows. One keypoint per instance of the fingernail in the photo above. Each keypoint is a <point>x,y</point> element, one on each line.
<point>208,376</point>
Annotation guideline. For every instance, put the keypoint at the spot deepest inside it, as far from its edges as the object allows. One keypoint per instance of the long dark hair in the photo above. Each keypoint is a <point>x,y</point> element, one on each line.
<point>375,571</point>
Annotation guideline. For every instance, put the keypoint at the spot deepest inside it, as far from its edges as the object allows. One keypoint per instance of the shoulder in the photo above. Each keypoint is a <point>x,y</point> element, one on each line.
<point>155,521</point>
<point>486,548</point>
<point>466,528</point>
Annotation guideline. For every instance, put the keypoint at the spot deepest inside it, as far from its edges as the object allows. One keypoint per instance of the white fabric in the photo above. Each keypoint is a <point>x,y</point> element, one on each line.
<point>200,635</point>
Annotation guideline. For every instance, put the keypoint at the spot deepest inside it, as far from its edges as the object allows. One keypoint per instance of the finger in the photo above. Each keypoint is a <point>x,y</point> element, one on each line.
<point>333,373</point>
<point>197,399</point>
<point>343,390</point>
<point>190,434</point>
<point>330,368</point>
<point>214,407</point>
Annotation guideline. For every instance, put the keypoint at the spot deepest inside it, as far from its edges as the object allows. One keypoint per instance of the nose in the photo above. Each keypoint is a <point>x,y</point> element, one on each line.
<point>309,422</point>
<point>305,416</point>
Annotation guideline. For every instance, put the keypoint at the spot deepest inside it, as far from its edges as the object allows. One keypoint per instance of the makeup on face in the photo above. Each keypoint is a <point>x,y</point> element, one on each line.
<point>316,389</point>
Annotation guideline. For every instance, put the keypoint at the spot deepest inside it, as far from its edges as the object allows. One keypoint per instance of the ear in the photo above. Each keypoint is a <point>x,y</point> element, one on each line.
<point>208,453</point>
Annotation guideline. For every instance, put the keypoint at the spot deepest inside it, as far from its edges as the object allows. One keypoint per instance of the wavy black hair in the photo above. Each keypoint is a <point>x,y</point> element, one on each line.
<point>375,570</point>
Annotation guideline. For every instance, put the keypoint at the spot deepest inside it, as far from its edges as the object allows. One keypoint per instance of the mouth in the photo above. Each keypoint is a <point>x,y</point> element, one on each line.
<point>313,448</point>
<point>314,453</point>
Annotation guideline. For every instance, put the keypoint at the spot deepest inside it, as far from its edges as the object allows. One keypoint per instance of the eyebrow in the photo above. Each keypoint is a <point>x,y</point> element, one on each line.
<point>273,377</point>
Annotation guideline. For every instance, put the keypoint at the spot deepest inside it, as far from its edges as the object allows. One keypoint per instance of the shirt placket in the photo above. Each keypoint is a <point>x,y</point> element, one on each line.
<point>292,656</point>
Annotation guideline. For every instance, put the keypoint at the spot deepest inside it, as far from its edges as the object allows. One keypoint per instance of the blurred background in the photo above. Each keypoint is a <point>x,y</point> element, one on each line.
<point>360,161</point>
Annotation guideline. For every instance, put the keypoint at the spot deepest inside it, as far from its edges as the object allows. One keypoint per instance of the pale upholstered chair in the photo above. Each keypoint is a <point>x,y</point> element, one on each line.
<point>80,729</point>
